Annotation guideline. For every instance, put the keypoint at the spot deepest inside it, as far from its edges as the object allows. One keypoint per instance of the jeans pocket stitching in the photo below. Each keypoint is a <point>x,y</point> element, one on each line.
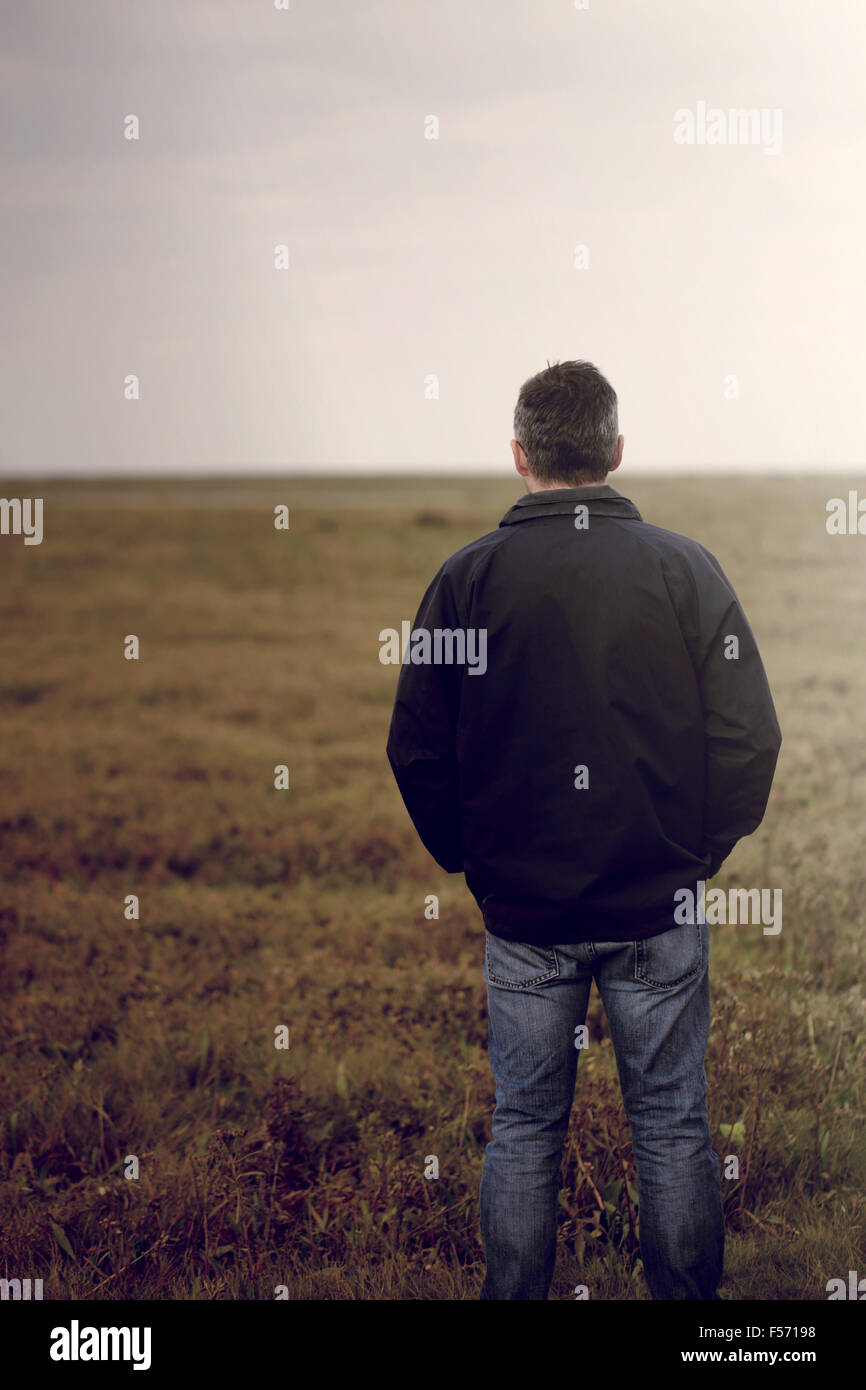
<point>640,947</point>
<point>550,974</point>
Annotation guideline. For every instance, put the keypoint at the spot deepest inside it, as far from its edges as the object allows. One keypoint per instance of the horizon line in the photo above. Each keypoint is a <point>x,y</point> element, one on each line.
<point>475,471</point>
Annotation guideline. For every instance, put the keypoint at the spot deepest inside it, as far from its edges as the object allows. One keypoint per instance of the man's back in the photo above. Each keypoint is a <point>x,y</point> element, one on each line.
<point>621,738</point>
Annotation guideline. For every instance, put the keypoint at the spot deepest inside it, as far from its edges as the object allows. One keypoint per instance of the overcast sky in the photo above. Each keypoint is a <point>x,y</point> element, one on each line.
<point>413,258</point>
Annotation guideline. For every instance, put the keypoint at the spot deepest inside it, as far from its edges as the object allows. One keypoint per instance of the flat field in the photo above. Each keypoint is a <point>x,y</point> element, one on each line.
<point>153,1039</point>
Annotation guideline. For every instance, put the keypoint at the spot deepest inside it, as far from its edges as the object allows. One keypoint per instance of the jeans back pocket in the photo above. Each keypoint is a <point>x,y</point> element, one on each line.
<point>672,957</point>
<point>518,964</point>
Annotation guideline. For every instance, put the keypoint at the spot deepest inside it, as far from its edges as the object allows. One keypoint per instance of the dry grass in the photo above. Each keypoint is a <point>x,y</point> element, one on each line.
<point>154,1038</point>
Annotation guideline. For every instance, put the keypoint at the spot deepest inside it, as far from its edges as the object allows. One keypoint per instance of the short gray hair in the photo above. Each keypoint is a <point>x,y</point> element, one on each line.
<point>566,423</point>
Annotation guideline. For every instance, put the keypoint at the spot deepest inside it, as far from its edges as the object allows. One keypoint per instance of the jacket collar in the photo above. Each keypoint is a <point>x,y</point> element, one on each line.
<point>600,500</point>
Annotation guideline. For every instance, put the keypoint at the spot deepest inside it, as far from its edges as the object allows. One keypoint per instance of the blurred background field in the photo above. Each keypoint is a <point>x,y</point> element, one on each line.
<point>306,907</point>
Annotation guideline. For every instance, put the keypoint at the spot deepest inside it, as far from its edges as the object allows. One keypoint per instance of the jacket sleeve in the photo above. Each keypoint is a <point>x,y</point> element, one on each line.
<point>423,735</point>
<point>742,735</point>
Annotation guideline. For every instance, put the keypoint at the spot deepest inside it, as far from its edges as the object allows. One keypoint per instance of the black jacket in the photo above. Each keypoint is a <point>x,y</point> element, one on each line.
<point>608,648</point>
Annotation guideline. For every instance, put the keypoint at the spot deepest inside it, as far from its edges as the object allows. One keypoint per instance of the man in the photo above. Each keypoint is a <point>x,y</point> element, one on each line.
<point>615,743</point>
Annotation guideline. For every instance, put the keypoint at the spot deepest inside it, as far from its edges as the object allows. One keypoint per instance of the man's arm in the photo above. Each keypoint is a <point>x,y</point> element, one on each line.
<point>423,735</point>
<point>741,728</point>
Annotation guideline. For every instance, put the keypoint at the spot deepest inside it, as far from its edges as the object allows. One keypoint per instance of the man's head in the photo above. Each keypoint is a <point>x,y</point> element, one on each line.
<point>566,428</point>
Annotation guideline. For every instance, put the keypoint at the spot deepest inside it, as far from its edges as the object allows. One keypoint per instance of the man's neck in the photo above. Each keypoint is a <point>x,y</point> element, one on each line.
<point>558,487</point>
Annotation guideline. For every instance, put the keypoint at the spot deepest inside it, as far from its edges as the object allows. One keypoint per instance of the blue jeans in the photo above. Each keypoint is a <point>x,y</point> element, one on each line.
<point>656,995</point>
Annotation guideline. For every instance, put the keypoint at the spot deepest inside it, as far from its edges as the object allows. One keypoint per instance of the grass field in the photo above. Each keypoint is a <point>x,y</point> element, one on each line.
<point>154,1037</point>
